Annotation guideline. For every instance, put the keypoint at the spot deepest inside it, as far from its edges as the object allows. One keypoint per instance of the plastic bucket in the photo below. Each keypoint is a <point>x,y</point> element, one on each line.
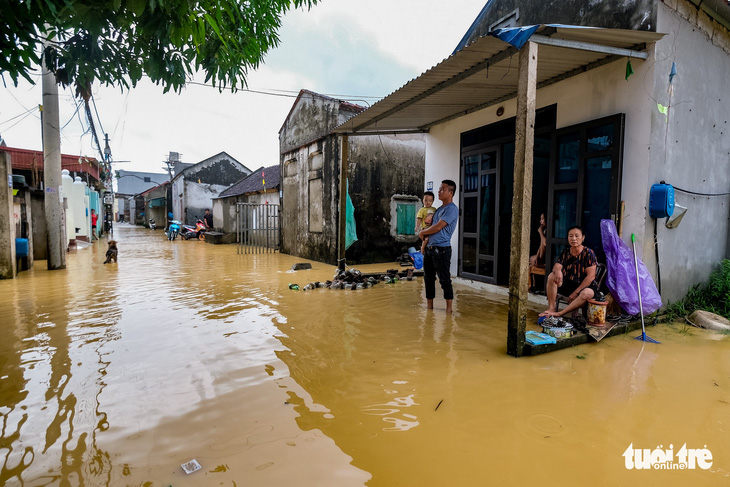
<point>596,312</point>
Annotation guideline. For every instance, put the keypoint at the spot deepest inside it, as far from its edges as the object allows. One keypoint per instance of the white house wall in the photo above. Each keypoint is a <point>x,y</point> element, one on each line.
<point>598,93</point>
<point>198,198</point>
<point>696,156</point>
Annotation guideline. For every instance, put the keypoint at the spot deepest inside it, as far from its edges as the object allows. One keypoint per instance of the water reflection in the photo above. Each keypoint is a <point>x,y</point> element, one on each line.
<point>116,375</point>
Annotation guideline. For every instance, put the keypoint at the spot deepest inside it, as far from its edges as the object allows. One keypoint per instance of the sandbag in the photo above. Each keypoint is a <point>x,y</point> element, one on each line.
<point>621,276</point>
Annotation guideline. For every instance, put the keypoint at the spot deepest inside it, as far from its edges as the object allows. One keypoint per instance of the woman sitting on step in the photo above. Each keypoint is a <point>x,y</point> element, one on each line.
<point>573,275</point>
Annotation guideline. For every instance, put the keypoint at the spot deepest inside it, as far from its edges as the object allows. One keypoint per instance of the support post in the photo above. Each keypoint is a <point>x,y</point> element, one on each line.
<point>522,198</point>
<point>8,268</point>
<point>342,229</point>
<point>52,172</point>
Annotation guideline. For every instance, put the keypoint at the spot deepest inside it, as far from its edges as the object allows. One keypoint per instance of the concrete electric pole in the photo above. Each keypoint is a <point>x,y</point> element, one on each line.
<point>52,172</point>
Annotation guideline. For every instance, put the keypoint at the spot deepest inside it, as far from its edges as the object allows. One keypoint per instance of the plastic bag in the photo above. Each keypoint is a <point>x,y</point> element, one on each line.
<point>350,227</point>
<point>417,259</point>
<point>621,277</point>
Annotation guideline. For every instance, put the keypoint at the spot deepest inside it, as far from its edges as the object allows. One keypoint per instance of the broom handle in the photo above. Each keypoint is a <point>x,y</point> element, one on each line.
<point>638,284</point>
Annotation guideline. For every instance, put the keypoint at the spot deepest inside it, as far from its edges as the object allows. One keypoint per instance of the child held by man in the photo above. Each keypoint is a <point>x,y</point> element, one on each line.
<point>427,209</point>
<point>428,221</point>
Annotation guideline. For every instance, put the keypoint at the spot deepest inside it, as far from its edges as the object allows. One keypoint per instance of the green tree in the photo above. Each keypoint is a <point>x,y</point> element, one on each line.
<point>116,42</point>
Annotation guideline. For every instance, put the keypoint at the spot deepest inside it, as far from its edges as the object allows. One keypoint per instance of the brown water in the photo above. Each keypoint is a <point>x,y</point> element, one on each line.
<point>118,374</point>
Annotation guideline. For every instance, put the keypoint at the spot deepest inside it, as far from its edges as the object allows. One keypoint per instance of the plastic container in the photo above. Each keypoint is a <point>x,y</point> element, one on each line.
<point>596,312</point>
<point>661,200</point>
<point>536,338</point>
<point>21,247</point>
<point>556,331</point>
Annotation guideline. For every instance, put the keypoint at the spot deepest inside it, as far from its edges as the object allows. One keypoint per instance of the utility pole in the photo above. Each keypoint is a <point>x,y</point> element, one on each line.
<point>53,200</point>
<point>109,184</point>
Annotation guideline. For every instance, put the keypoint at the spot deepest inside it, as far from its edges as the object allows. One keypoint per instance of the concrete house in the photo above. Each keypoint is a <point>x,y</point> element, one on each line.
<point>28,202</point>
<point>194,187</point>
<point>261,187</point>
<point>385,176</point>
<point>599,116</point>
<point>156,203</point>
<point>130,183</point>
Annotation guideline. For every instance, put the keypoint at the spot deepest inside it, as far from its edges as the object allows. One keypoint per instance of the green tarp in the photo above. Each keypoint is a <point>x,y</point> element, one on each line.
<point>350,228</point>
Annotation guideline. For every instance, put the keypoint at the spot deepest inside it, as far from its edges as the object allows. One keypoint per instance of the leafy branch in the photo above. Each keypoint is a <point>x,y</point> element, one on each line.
<point>117,42</point>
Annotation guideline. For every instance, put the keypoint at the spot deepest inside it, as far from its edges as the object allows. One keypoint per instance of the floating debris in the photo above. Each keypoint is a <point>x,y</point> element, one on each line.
<point>191,466</point>
<point>353,279</point>
<point>300,266</point>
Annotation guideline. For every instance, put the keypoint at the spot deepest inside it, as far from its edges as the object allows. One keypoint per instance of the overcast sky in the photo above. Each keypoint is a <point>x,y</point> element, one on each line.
<point>359,50</point>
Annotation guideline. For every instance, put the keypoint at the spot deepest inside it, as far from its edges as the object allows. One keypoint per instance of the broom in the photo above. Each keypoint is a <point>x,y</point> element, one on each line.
<point>643,336</point>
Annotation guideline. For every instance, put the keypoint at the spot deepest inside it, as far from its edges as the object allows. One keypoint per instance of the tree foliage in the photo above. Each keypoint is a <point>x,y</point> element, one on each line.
<point>116,42</point>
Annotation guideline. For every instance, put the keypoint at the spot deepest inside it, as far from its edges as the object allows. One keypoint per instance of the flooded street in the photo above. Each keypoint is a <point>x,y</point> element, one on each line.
<point>117,374</point>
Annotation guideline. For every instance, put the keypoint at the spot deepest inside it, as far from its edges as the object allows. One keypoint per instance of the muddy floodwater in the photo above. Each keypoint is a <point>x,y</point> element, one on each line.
<point>115,375</point>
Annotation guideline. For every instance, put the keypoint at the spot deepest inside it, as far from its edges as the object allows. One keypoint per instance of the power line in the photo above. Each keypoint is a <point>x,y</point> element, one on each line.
<point>13,118</point>
<point>293,94</point>
<point>97,114</point>
<point>30,112</point>
<point>78,105</point>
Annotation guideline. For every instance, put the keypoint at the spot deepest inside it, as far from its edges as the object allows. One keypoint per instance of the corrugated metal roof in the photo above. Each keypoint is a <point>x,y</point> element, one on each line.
<point>254,182</point>
<point>485,73</point>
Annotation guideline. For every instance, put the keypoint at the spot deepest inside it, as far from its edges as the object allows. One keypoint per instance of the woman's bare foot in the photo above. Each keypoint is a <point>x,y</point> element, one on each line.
<point>549,312</point>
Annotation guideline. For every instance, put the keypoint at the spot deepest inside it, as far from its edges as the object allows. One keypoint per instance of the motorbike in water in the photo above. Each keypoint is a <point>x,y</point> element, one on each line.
<point>173,230</point>
<point>188,232</point>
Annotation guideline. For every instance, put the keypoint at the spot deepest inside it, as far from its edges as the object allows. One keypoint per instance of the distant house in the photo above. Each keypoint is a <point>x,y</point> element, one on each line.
<point>260,187</point>
<point>156,202</point>
<point>27,168</point>
<point>135,182</point>
<point>194,187</point>
<point>130,183</point>
<point>385,176</point>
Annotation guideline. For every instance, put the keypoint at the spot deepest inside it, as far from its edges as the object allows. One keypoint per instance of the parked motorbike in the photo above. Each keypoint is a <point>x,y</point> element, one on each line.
<point>153,225</point>
<point>188,232</point>
<point>173,230</point>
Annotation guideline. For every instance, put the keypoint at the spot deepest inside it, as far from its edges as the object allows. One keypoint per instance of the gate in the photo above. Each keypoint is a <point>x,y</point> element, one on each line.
<point>257,228</point>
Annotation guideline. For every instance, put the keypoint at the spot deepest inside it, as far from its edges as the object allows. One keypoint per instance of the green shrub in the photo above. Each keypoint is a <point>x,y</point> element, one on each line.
<point>714,296</point>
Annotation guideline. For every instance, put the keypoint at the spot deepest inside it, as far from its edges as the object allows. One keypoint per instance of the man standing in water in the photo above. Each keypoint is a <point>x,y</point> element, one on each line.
<point>437,260</point>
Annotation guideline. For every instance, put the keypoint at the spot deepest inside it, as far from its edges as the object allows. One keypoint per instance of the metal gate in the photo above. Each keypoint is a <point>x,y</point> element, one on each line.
<point>257,228</point>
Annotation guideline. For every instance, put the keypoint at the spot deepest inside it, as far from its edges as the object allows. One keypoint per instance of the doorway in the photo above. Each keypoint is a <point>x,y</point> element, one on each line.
<point>584,182</point>
<point>480,170</point>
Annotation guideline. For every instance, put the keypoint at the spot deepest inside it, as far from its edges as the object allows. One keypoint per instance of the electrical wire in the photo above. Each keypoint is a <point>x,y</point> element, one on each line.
<point>13,118</point>
<point>699,194</point>
<point>292,94</point>
<point>97,114</point>
<point>16,123</point>
<point>78,105</point>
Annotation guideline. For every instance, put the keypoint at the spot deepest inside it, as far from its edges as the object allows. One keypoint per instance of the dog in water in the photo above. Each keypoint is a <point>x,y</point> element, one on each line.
<point>111,253</point>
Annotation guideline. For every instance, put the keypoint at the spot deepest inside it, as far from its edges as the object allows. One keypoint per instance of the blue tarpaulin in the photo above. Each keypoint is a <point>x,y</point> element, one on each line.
<point>517,36</point>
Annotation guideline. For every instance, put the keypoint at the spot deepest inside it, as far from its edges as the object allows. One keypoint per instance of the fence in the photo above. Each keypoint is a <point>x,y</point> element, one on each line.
<point>257,228</point>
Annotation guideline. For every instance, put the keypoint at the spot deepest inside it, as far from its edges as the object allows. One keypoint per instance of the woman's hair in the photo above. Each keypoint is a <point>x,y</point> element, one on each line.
<point>577,227</point>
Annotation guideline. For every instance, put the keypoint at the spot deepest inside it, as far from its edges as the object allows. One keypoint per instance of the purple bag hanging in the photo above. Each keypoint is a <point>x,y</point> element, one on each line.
<point>621,276</point>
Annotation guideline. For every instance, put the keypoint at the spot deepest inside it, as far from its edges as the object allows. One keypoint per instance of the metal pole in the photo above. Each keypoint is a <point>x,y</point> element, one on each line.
<point>343,204</point>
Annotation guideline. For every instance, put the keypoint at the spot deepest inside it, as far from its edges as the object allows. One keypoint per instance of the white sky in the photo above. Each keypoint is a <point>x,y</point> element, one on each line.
<point>346,48</point>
